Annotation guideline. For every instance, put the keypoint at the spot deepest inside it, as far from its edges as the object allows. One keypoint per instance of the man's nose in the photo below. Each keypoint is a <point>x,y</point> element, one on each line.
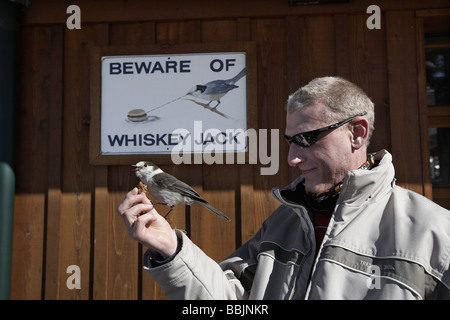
<point>295,155</point>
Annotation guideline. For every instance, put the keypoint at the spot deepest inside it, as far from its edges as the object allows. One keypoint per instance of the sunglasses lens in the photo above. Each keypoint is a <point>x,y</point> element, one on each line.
<point>305,140</point>
<point>302,140</point>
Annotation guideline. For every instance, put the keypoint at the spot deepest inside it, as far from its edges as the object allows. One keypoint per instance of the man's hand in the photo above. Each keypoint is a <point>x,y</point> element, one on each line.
<point>146,225</point>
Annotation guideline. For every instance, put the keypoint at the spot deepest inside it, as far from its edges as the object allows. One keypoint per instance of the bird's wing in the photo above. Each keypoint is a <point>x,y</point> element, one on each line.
<point>172,183</point>
<point>218,87</point>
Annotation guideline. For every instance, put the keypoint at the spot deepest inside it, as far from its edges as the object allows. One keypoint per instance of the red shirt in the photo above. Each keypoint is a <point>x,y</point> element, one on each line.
<point>321,219</point>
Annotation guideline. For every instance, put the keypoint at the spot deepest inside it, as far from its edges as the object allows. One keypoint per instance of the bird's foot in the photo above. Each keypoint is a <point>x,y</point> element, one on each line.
<point>170,210</point>
<point>215,107</point>
<point>206,105</point>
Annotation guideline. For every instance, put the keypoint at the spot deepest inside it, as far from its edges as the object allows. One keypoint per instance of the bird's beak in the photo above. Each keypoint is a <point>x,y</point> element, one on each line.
<point>135,168</point>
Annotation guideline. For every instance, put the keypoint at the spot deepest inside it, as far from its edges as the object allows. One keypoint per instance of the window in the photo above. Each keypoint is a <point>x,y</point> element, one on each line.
<point>437,61</point>
<point>437,74</point>
<point>439,156</point>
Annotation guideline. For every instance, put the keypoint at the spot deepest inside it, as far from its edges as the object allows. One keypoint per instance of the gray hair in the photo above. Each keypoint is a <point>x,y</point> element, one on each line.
<point>342,98</point>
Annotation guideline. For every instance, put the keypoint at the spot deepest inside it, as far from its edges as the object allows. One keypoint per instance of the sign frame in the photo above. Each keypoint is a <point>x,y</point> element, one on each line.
<point>97,157</point>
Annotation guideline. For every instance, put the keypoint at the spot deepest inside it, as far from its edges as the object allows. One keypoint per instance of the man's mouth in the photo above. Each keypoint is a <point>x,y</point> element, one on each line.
<point>307,171</point>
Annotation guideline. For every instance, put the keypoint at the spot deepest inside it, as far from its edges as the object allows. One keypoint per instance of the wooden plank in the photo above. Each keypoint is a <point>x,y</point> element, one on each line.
<point>243,30</point>
<point>342,39</point>
<point>272,95</point>
<point>74,229</point>
<point>102,212</point>
<point>54,158</point>
<point>368,69</point>
<point>132,34</point>
<point>149,33</point>
<point>293,58</point>
<point>403,91</point>
<point>74,245</point>
<point>167,32</point>
<point>124,34</point>
<point>178,32</point>
<point>218,30</point>
<point>245,222</point>
<point>317,47</point>
<point>34,125</point>
<point>28,242</point>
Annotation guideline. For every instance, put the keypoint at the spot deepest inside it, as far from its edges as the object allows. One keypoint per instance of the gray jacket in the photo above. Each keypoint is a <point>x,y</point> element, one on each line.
<point>383,242</point>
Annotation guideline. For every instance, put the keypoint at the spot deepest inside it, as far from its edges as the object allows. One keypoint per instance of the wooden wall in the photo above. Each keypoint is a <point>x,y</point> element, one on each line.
<point>65,209</point>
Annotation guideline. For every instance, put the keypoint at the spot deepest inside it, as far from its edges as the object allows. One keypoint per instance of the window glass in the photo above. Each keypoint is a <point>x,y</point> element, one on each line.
<point>439,156</point>
<point>438,76</point>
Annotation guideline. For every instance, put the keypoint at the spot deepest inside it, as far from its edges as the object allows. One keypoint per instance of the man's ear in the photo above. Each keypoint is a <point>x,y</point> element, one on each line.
<point>360,132</point>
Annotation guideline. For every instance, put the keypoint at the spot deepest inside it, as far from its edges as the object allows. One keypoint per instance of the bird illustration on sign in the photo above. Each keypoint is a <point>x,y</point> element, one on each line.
<point>210,92</point>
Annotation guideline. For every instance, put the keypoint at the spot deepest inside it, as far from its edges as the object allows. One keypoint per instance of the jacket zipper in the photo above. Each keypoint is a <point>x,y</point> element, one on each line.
<point>307,255</point>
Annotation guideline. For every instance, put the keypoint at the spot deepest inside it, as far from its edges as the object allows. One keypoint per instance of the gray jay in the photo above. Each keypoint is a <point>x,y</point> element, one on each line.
<point>215,90</point>
<point>169,190</point>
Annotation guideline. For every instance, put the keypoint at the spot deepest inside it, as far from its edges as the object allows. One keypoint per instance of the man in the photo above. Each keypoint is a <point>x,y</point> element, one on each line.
<point>344,230</point>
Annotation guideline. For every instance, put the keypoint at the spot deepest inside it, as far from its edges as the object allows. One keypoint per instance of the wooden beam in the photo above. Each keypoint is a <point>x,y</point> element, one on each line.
<point>403,99</point>
<point>54,11</point>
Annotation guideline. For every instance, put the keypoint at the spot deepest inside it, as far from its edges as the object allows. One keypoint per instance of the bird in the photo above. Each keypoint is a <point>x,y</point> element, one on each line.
<point>215,90</point>
<point>168,190</point>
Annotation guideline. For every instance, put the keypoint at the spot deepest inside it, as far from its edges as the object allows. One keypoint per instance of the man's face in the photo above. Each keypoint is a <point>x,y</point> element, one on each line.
<point>326,162</point>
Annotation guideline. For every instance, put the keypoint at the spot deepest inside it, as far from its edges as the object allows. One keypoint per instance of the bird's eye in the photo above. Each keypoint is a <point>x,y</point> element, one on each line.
<point>145,165</point>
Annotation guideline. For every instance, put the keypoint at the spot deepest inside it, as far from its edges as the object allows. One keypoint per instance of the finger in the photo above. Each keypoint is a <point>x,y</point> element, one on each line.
<point>145,220</point>
<point>144,198</point>
<point>131,199</point>
<point>127,202</point>
<point>132,214</point>
<point>137,231</point>
<point>137,197</point>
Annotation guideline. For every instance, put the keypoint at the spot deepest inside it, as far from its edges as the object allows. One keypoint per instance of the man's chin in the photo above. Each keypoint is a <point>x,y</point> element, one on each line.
<point>316,188</point>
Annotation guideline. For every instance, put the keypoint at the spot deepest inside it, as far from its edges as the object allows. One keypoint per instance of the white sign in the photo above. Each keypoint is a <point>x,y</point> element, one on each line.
<point>153,103</point>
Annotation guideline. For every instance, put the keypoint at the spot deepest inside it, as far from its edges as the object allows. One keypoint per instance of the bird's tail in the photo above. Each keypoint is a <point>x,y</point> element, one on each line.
<point>210,207</point>
<point>239,76</point>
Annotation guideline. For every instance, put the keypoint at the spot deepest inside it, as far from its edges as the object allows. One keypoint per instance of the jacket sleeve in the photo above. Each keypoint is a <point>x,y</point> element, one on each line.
<point>191,274</point>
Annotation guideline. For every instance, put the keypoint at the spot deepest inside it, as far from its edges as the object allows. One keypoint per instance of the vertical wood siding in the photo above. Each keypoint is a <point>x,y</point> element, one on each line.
<point>65,209</point>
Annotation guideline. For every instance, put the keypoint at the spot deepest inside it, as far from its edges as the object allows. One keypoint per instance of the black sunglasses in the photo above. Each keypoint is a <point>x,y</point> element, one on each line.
<point>307,139</point>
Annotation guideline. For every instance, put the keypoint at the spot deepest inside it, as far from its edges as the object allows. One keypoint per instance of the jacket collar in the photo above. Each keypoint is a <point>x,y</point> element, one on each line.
<point>359,185</point>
